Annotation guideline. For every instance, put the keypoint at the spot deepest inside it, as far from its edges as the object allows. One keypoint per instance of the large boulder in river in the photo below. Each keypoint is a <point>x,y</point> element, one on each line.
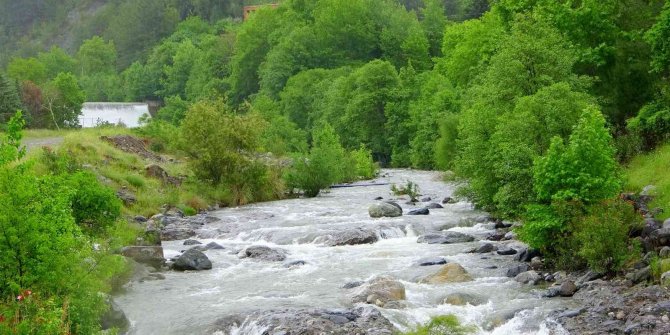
<point>385,209</point>
<point>379,291</point>
<point>462,299</point>
<point>445,237</point>
<point>192,260</point>
<point>264,253</point>
<point>449,273</point>
<point>150,255</point>
<point>352,237</point>
<point>114,317</point>
<point>357,321</point>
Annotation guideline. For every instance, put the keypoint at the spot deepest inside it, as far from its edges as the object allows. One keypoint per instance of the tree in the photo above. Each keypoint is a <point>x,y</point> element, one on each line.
<point>31,69</point>
<point>9,98</point>
<point>56,61</point>
<point>63,100</point>
<point>434,22</point>
<point>326,164</point>
<point>584,169</point>
<point>97,56</point>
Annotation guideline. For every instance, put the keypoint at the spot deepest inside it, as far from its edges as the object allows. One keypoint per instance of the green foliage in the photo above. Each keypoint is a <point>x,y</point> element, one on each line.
<point>95,207</point>
<point>443,325</point>
<point>9,98</point>
<point>649,169</point>
<point>97,56</point>
<point>585,169</point>
<point>658,37</point>
<point>365,166</point>
<point>603,236</point>
<point>280,136</point>
<point>652,124</point>
<point>10,142</point>
<point>410,189</point>
<point>325,165</point>
<point>220,144</point>
<point>63,101</point>
<point>31,69</point>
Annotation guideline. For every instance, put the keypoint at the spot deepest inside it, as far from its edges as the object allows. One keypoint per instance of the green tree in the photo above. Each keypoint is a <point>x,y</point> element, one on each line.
<point>55,61</point>
<point>9,98</point>
<point>584,169</point>
<point>434,22</point>
<point>63,100</point>
<point>326,164</point>
<point>97,56</point>
<point>31,69</point>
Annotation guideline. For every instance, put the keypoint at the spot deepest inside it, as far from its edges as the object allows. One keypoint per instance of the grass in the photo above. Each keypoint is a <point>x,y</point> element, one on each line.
<point>651,169</point>
<point>446,324</point>
<point>121,170</point>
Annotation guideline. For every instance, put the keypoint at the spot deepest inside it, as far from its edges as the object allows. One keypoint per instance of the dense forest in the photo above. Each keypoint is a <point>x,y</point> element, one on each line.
<point>534,105</point>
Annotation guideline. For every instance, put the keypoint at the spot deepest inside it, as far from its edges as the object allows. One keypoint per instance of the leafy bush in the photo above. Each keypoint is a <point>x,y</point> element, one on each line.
<point>603,233</point>
<point>652,124</point>
<point>444,325</point>
<point>585,169</point>
<point>365,165</point>
<point>410,188</point>
<point>95,207</point>
<point>326,164</point>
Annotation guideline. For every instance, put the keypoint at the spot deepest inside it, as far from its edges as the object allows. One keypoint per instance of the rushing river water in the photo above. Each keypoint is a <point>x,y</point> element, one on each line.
<point>190,302</point>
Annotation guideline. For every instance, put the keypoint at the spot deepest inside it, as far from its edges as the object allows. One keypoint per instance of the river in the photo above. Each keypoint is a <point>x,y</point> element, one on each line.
<point>190,302</point>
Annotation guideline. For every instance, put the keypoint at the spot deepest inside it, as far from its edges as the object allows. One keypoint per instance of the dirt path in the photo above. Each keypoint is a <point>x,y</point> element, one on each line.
<point>35,143</point>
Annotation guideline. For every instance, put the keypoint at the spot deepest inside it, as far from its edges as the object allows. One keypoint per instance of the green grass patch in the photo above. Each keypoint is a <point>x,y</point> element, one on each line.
<point>445,324</point>
<point>652,169</point>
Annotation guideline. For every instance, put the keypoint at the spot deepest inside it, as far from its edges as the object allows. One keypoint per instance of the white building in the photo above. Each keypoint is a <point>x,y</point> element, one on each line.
<point>128,114</point>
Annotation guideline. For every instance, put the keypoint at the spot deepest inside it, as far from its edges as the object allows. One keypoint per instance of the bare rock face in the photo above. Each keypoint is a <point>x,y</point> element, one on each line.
<point>131,145</point>
<point>379,291</point>
<point>157,172</point>
<point>449,273</point>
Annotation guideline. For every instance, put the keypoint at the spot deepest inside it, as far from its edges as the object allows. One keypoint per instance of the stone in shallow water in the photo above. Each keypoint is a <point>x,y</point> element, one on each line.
<point>379,291</point>
<point>361,320</point>
<point>516,270</point>
<point>434,205</point>
<point>428,261</point>
<point>385,209</point>
<point>462,299</point>
<point>352,237</point>
<point>421,211</point>
<point>450,273</point>
<point>264,253</point>
<point>506,251</point>
<point>192,242</point>
<point>192,260</point>
<point>446,237</point>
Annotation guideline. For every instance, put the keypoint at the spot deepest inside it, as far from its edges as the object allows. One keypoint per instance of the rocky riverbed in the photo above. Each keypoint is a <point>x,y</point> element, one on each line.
<point>323,265</point>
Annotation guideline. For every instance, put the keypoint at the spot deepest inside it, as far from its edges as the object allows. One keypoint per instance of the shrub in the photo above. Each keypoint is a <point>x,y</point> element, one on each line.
<point>95,207</point>
<point>447,324</point>
<point>365,165</point>
<point>603,233</point>
<point>652,124</point>
<point>135,180</point>
<point>585,169</point>
<point>326,164</point>
<point>410,188</point>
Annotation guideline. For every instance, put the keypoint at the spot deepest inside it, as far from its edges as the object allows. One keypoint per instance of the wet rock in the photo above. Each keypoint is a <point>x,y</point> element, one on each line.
<point>426,199</point>
<point>358,321</point>
<point>429,261</point>
<point>485,248</point>
<point>446,237</point>
<point>352,237</point>
<point>434,205</point>
<point>264,253</point>
<point>666,223</point>
<point>528,277</point>
<point>516,270</point>
<point>353,284</point>
<point>496,236</point>
<point>587,277</point>
<point>140,219</point>
<point>192,242</point>
<point>449,273</point>
<point>449,200</point>
<point>536,263</point>
<point>379,291</point>
<point>639,275</point>
<point>294,264</point>
<point>510,235</point>
<point>114,317</point>
<point>661,308</point>
<point>571,313</point>
<point>502,225</point>
<point>567,289</point>
<point>421,211</point>
<point>384,209</point>
<point>192,260</point>
<point>527,254</point>
<point>395,304</point>
<point>379,198</point>
<point>214,246</point>
<point>506,251</point>
<point>462,299</point>
<point>150,255</point>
